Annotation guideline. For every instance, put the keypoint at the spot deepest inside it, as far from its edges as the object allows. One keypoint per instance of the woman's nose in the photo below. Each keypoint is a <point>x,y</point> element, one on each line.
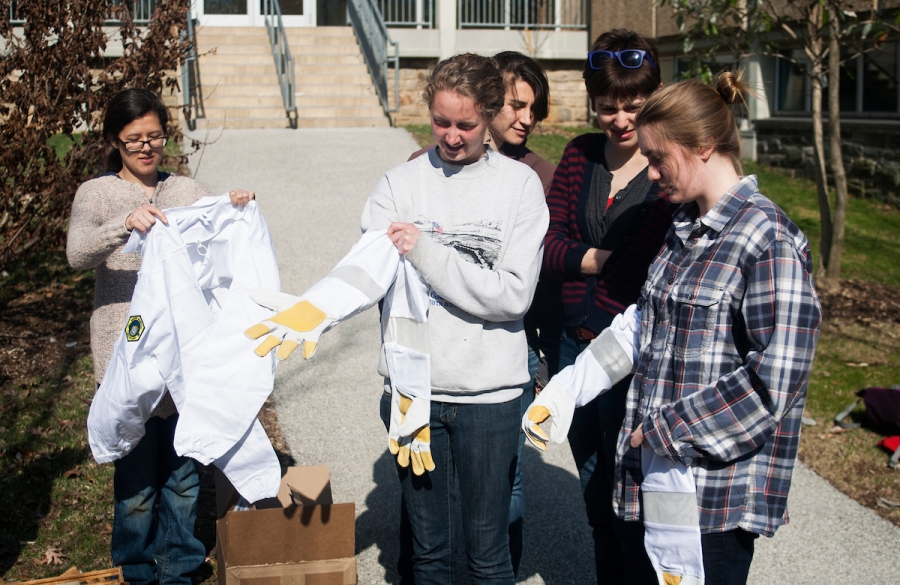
<point>526,116</point>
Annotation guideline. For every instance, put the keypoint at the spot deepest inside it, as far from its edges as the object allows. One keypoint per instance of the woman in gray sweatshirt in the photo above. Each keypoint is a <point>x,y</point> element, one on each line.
<point>471,224</point>
<point>471,221</point>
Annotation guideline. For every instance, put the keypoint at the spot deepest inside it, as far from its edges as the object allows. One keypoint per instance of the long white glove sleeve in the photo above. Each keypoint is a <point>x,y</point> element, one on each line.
<point>358,281</point>
<point>606,361</point>
<point>671,520</point>
<point>407,355</point>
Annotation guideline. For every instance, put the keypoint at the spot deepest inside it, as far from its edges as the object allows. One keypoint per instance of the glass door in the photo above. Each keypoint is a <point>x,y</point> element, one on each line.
<point>295,12</point>
<point>250,12</point>
<point>225,13</point>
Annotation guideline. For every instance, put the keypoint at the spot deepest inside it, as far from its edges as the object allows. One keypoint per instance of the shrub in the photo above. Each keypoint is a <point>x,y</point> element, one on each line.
<point>54,85</point>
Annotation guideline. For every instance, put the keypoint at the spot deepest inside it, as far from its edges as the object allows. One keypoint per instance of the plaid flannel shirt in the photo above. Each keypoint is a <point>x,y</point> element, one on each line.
<point>728,332</point>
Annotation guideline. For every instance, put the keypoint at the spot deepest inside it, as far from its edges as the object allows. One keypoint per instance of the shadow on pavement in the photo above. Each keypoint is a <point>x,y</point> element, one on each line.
<point>558,546</point>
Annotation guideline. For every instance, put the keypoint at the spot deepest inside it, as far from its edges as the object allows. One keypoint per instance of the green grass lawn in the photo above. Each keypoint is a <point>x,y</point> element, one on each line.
<point>871,243</point>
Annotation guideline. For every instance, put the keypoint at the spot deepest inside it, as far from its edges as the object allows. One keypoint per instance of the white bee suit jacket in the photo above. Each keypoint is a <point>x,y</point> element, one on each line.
<point>185,333</point>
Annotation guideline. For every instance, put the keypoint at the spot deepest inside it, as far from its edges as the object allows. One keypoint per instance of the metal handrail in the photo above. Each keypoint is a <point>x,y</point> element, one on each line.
<point>374,39</point>
<point>190,78</point>
<point>281,52</point>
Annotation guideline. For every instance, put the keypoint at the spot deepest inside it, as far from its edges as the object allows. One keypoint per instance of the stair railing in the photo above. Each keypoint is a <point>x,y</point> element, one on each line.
<point>374,39</point>
<point>284,62</point>
<point>190,79</point>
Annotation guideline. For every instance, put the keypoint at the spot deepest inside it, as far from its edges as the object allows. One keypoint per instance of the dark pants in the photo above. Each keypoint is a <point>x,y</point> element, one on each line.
<point>475,447</point>
<point>155,509</point>
<point>727,556</point>
<point>516,503</point>
<point>619,551</point>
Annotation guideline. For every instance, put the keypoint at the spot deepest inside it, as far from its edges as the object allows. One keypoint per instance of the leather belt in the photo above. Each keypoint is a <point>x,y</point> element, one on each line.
<point>582,333</point>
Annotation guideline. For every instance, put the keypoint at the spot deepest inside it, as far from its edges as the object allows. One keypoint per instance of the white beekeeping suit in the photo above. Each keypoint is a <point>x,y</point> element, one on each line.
<point>185,334</point>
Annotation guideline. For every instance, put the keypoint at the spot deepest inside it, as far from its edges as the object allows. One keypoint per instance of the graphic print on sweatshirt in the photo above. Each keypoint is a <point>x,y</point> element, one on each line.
<point>477,242</point>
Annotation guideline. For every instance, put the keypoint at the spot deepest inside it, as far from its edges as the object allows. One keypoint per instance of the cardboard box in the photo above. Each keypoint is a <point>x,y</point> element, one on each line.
<point>298,538</point>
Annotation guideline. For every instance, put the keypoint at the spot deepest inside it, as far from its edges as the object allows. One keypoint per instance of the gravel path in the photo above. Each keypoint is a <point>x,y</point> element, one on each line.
<point>311,186</point>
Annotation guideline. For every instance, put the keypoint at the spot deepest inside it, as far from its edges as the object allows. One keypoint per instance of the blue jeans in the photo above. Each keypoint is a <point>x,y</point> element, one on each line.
<point>474,446</point>
<point>619,551</point>
<point>517,503</point>
<point>727,556</point>
<point>155,509</point>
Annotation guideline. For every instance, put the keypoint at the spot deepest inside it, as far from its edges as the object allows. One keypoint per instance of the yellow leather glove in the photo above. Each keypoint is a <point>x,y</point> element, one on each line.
<point>297,322</point>
<point>554,403</point>
<point>409,434</point>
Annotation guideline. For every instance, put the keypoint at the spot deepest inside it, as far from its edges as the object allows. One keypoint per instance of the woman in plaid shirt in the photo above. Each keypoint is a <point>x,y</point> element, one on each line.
<point>721,342</point>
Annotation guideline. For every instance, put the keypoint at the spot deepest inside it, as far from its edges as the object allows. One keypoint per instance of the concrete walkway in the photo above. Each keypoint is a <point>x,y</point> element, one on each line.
<point>311,186</point>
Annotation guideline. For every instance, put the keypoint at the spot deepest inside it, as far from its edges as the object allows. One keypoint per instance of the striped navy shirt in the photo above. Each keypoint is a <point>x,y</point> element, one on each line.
<point>729,322</point>
<point>587,300</point>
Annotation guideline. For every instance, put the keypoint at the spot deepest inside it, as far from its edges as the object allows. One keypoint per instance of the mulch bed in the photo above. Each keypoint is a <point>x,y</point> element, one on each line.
<point>863,301</point>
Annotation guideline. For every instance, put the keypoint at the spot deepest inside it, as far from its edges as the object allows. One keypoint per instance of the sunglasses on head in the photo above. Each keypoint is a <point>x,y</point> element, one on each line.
<point>629,58</point>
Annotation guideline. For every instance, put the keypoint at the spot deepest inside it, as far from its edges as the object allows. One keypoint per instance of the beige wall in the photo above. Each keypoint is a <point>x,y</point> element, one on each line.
<point>568,98</point>
<point>638,15</point>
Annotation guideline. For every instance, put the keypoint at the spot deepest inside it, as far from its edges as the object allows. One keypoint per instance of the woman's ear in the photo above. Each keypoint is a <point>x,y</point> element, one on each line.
<point>705,152</point>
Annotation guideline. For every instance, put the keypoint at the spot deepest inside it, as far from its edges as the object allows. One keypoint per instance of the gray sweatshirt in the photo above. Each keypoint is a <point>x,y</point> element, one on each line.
<point>483,228</point>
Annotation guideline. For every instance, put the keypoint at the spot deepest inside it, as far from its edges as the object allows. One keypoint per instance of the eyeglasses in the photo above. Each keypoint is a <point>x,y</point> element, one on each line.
<point>629,58</point>
<point>138,145</point>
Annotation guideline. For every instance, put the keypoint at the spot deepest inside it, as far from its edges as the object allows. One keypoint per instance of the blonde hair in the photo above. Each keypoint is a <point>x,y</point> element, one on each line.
<point>471,76</point>
<point>695,115</point>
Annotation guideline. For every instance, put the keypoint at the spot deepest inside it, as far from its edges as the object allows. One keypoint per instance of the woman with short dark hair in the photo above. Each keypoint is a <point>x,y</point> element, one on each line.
<point>607,221</point>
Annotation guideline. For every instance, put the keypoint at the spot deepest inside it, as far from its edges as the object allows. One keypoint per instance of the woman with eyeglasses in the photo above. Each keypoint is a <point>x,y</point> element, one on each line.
<point>155,490</point>
<point>607,222</point>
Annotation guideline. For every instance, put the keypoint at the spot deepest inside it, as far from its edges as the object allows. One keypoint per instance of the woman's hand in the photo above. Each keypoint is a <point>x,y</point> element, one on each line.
<point>143,218</point>
<point>593,261</point>
<point>637,438</point>
<point>404,236</point>
<point>241,198</point>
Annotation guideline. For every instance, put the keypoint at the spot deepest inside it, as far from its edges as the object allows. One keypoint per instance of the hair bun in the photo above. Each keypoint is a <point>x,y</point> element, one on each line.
<point>732,88</point>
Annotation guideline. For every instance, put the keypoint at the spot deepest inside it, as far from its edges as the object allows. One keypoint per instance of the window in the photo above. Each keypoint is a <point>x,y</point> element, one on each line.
<point>879,91</point>
<point>868,82</point>
<point>791,83</point>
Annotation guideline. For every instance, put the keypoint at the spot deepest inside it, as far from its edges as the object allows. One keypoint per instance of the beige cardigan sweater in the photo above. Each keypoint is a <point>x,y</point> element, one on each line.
<point>97,235</point>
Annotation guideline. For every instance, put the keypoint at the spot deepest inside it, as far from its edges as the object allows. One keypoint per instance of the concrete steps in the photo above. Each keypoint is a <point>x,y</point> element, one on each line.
<point>240,88</point>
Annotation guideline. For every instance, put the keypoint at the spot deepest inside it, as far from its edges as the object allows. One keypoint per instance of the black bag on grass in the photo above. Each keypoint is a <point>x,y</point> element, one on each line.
<point>882,413</point>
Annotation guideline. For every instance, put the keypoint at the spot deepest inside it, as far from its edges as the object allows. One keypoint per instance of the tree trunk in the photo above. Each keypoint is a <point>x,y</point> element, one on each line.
<point>821,173</point>
<point>829,279</point>
<point>814,50</point>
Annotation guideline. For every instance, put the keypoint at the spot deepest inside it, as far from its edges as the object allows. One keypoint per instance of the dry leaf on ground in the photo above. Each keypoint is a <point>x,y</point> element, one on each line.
<point>53,556</point>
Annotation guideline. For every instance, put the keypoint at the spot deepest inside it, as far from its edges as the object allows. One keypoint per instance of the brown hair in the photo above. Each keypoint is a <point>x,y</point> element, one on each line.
<point>471,76</point>
<point>615,81</point>
<point>695,115</point>
<point>515,66</point>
